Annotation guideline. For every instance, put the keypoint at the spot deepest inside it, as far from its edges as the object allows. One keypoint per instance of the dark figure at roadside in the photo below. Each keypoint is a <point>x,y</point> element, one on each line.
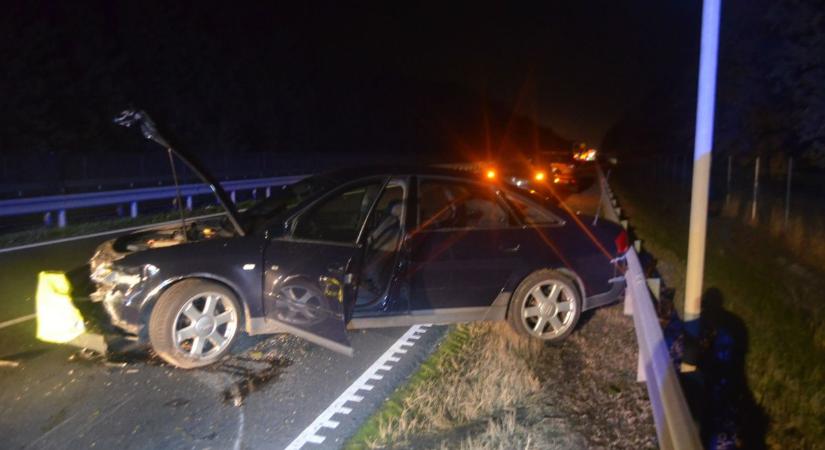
<point>731,418</point>
<point>717,392</point>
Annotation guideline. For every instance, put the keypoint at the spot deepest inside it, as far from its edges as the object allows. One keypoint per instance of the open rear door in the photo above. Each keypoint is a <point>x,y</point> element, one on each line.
<point>310,281</point>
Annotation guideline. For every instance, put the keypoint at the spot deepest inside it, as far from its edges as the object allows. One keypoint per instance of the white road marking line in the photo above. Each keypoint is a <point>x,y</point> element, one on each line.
<point>330,424</point>
<point>310,433</point>
<point>105,233</point>
<point>315,439</point>
<point>11,322</point>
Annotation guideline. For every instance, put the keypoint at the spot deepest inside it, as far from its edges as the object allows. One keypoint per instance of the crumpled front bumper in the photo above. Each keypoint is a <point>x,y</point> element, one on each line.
<point>122,313</point>
<point>66,314</point>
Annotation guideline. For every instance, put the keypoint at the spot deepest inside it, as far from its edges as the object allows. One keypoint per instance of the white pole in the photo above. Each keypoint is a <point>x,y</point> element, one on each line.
<point>788,191</point>
<point>702,151</point>
<point>755,189</point>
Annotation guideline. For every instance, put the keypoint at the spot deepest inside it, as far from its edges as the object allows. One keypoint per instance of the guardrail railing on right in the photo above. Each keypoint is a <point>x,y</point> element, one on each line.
<point>675,428</point>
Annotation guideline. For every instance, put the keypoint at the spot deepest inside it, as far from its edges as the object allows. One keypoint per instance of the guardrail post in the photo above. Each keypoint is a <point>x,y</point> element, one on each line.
<point>254,193</point>
<point>47,219</point>
<point>755,190</point>
<point>232,196</point>
<point>628,302</point>
<point>788,193</point>
<point>655,286</point>
<point>61,218</point>
<point>640,368</point>
<point>268,191</point>
<point>189,202</point>
<point>133,209</point>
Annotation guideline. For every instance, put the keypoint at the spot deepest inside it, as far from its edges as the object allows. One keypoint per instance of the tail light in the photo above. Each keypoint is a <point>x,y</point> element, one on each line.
<point>621,242</point>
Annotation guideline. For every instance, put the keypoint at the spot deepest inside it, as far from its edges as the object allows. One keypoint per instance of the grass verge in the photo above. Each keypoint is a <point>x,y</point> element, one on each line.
<point>779,301</point>
<point>466,395</point>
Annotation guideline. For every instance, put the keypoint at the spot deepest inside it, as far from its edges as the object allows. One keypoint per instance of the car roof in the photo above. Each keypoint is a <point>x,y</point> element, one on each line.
<point>353,173</point>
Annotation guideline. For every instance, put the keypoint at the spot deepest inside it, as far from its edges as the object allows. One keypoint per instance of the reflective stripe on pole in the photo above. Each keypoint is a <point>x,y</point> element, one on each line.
<point>702,147</point>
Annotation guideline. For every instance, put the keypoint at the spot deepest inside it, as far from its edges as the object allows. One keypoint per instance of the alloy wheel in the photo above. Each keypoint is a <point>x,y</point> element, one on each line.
<point>205,325</point>
<point>549,309</point>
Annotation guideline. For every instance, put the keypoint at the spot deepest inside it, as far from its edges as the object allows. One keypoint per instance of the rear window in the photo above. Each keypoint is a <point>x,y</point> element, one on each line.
<point>447,204</point>
<point>533,214</point>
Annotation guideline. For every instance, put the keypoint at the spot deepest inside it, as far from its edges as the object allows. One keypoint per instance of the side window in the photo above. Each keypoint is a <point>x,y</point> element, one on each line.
<point>339,217</point>
<point>531,214</point>
<point>451,204</point>
<point>384,229</point>
<point>384,225</point>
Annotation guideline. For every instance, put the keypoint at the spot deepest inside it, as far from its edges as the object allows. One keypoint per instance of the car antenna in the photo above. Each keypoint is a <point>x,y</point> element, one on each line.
<point>130,117</point>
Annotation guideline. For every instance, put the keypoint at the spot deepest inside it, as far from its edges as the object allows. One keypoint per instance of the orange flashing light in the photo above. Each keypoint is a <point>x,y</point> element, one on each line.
<point>539,176</point>
<point>491,174</point>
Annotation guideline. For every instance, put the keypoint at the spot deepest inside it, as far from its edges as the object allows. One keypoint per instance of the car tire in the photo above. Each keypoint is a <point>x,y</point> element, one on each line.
<point>194,323</point>
<point>546,305</point>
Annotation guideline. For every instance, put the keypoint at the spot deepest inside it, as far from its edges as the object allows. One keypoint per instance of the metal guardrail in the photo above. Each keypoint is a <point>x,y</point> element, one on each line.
<point>52,205</point>
<point>675,428</point>
<point>59,204</point>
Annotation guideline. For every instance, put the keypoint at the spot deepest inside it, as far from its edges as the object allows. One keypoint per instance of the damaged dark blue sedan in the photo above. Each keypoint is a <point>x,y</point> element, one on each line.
<point>359,248</point>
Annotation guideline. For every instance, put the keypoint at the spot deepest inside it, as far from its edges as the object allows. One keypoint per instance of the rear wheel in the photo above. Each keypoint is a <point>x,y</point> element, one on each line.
<point>194,323</point>
<point>546,305</point>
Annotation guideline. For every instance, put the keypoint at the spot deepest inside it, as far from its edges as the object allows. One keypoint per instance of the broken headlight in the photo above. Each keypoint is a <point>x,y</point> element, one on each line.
<point>123,278</point>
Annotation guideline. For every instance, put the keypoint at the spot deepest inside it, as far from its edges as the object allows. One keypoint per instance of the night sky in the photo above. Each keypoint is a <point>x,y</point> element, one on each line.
<point>576,65</point>
<point>303,76</point>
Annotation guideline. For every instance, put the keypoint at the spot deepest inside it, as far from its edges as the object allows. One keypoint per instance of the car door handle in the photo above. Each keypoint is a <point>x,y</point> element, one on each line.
<point>511,249</point>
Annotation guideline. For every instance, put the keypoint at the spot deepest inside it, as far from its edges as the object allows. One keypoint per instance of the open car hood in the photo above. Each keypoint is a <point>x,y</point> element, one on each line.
<point>131,117</point>
<point>214,185</point>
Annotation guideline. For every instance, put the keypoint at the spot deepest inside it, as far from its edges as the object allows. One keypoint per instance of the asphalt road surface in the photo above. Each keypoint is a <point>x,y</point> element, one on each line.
<point>264,396</point>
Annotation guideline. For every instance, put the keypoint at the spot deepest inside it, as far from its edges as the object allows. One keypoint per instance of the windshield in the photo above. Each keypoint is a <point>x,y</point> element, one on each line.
<point>283,199</point>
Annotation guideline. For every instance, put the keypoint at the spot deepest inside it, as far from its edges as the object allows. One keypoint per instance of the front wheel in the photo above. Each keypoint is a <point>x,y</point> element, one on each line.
<point>546,306</point>
<point>194,323</point>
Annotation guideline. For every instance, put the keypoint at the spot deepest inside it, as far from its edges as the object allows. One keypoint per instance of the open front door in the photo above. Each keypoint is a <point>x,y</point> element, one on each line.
<point>310,281</point>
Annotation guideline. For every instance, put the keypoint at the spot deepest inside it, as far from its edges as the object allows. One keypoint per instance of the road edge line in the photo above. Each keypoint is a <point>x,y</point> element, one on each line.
<point>384,362</point>
<point>21,319</point>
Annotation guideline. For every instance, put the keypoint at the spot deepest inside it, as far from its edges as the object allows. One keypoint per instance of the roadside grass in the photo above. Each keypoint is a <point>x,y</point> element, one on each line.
<point>464,396</point>
<point>783,311</point>
<point>804,233</point>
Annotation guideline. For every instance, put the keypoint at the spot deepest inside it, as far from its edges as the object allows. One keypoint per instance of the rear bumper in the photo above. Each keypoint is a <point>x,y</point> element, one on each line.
<point>614,294</point>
